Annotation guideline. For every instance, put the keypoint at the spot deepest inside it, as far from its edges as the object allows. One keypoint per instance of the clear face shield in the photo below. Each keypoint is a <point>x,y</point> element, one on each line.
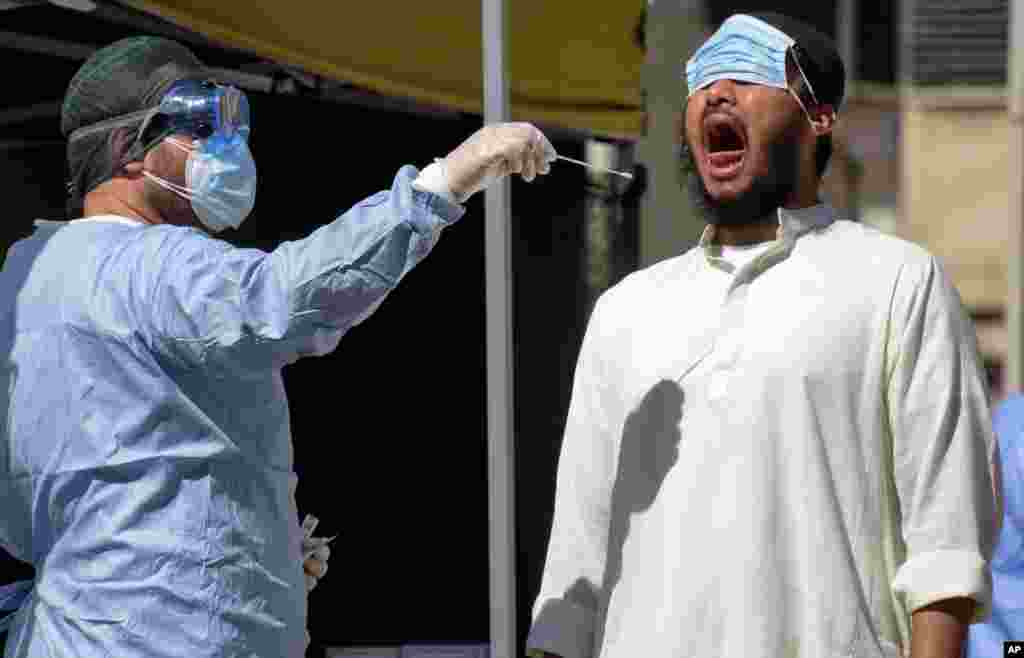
<point>201,109</point>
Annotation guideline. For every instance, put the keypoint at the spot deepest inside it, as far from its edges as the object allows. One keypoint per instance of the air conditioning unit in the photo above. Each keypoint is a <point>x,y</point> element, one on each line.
<point>955,42</point>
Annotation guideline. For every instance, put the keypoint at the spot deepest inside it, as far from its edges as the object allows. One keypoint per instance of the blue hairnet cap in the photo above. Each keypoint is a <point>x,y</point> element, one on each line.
<point>123,78</point>
<point>127,76</point>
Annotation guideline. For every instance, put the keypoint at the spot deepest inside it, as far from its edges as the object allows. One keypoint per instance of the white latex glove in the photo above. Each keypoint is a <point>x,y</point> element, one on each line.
<point>494,151</point>
<point>315,553</point>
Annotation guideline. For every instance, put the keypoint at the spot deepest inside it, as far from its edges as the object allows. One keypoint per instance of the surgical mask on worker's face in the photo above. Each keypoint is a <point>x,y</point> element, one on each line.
<point>220,180</point>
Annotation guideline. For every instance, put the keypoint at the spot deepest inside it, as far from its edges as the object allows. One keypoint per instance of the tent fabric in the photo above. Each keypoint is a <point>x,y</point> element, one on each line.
<point>570,65</point>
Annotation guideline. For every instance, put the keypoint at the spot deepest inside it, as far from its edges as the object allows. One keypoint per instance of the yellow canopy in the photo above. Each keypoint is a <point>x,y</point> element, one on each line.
<point>570,64</point>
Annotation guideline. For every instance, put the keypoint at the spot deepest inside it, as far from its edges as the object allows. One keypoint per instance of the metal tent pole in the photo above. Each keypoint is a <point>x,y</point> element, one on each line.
<point>500,420</point>
<point>1015,260</point>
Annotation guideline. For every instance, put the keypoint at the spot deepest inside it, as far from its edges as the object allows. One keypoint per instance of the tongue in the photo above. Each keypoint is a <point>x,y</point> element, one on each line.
<point>725,158</point>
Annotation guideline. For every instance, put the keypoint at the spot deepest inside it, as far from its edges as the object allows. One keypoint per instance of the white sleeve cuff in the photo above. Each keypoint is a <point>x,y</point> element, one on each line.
<point>434,180</point>
<point>946,574</point>
<point>563,628</point>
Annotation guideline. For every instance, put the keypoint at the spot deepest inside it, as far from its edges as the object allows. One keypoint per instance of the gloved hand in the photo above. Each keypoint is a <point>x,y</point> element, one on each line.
<point>494,151</point>
<point>315,565</point>
<point>315,553</point>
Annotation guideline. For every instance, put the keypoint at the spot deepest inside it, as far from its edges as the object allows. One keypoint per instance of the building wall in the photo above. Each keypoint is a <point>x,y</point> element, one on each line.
<point>955,198</point>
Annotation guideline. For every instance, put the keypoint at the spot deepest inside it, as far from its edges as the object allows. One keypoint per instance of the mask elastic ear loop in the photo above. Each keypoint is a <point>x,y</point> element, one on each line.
<point>791,55</point>
<point>182,191</point>
<point>179,145</point>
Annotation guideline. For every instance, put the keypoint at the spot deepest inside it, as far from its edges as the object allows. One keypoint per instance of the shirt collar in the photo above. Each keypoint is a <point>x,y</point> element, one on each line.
<point>117,219</point>
<point>793,222</point>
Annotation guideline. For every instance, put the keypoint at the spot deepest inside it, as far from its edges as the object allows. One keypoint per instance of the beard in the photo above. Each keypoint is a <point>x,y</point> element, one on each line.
<point>758,203</point>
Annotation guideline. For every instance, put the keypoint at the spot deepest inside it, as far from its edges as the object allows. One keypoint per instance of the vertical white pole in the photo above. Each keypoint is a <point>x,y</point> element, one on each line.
<point>1014,376</point>
<point>846,38</point>
<point>500,421</point>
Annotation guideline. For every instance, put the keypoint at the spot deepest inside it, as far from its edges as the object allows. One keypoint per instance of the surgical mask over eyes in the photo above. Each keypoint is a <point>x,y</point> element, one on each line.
<point>744,48</point>
<point>749,50</point>
<point>220,180</point>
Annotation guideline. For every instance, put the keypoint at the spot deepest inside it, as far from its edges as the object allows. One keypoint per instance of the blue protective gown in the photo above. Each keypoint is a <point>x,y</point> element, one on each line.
<point>145,452</point>
<point>1007,620</point>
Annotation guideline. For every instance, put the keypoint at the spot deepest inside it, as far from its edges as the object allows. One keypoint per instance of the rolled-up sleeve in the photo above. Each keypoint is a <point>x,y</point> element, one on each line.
<point>216,306</point>
<point>944,453</point>
<point>565,611</point>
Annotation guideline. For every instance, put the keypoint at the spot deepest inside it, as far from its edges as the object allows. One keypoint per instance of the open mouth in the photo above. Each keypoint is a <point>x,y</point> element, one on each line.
<point>725,144</point>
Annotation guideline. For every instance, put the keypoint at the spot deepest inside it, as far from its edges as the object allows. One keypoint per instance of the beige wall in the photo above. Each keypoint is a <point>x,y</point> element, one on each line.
<point>955,197</point>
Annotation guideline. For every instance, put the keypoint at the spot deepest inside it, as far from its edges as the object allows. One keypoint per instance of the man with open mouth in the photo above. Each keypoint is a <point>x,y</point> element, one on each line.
<point>779,443</point>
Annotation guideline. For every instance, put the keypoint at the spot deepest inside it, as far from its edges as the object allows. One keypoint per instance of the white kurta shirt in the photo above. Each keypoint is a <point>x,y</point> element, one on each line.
<point>780,460</point>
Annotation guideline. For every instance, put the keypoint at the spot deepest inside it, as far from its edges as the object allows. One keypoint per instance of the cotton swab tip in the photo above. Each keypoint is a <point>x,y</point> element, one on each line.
<point>624,174</point>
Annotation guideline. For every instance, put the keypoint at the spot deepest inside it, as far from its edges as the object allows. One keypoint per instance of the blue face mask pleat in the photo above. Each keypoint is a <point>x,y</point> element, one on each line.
<point>744,48</point>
